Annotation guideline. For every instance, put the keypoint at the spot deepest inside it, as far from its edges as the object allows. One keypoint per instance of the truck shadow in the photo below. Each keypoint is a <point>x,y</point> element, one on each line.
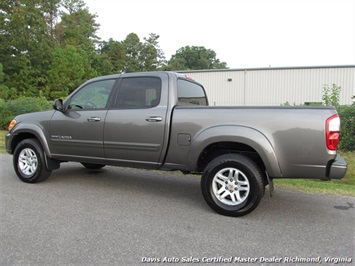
<point>345,208</point>
<point>145,183</point>
<point>175,188</point>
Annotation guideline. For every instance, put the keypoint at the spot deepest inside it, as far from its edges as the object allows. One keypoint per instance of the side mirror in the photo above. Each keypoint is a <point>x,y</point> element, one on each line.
<point>58,105</point>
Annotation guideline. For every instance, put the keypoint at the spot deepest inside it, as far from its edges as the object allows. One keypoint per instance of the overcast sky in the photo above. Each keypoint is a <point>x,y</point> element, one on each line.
<point>243,33</point>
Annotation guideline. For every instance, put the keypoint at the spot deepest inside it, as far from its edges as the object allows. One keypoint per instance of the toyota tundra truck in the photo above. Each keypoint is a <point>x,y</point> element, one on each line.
<point>161,120</point>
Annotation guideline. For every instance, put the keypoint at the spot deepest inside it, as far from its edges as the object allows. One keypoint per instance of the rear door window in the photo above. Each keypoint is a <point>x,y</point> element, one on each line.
<point>138,93</point>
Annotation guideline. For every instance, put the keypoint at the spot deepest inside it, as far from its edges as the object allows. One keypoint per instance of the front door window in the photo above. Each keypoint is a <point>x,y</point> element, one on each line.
<point>93,96</point>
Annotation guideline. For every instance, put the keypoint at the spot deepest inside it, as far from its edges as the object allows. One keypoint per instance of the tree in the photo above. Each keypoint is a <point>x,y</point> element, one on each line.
<point>102,65</point>
<point>115,53</point>
<point>5,92</point>
<point>25,44</point>
<point>73,6</point>
<point>49,46</point>
<point>176,64</point>
<point>143,56</point>
<point>29,35</point>
<point>51,13</point>
<point>133,48</point>
<point>195,57</point>
<point>77,28</point>
<point>69,69</point>
<point>152,56</point>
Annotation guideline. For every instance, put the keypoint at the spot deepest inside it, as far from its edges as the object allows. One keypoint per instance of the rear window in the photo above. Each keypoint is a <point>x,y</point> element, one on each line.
<point>190,93</point>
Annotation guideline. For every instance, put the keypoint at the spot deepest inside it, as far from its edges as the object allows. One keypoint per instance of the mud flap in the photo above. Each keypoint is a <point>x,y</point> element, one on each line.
<point>51,164</point>
<point>271,184</point>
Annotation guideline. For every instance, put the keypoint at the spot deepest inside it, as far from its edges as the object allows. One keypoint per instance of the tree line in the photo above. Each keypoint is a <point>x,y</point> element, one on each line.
<point>48,48</point>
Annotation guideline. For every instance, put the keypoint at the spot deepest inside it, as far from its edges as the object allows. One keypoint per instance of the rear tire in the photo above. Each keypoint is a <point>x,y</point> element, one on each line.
<point>93,166</point>
<point>232,185</point>
<point>29,161</point>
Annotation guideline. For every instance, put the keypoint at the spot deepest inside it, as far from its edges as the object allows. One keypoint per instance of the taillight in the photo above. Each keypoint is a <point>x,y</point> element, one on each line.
<point>333,132</point>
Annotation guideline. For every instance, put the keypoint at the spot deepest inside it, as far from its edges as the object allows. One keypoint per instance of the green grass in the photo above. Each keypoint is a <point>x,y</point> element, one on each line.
<point>350,174</point>
<point>317,186</point>
<point>345,186</point>
<point>2,141</point>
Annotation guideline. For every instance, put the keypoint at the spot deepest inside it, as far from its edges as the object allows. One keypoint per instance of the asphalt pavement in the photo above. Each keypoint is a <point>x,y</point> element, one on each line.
<point>122,216</point>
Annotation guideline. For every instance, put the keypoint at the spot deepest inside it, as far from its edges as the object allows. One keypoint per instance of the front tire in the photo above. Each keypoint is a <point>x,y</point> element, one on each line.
<point>232,185</point>
<point>29,161</point>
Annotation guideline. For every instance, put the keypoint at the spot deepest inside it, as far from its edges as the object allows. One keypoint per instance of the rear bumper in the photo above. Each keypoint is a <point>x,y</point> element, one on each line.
<point>338,168</point>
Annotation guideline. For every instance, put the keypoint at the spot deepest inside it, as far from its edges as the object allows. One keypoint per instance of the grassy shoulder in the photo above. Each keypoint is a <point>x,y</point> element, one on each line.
<point>345,186</point>
<point>336,187</point>
<point>2,141</point>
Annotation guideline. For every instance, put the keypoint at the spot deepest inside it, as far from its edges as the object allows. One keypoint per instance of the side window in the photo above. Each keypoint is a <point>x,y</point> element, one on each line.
<point>190,93</point>
<point>93,96</point>
<point>139,92</point>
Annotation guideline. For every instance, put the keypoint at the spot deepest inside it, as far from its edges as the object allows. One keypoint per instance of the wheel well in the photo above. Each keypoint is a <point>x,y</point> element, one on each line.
<point>220,148</point>
<point>19,137</point>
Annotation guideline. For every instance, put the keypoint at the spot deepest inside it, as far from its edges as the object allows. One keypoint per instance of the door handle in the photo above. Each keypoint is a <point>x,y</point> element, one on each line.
<point>94,119</point>
<point>154,119</point>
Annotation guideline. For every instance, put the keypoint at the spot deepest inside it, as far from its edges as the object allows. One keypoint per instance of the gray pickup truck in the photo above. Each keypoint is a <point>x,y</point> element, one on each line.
<point>161,120</point>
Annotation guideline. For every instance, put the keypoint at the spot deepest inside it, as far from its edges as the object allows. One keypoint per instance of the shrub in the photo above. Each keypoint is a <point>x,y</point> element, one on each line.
<point>331,95</point>
<point>347,116</point>
<point>9,109</point>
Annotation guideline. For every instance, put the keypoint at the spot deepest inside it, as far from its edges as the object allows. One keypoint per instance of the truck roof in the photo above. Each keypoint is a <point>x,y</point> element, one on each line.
<point>178,75</point>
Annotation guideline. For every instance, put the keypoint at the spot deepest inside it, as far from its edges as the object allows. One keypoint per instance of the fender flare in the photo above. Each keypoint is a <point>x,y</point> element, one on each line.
<point>238,134</point>
<point>26,128</point>
<point>38,132</point>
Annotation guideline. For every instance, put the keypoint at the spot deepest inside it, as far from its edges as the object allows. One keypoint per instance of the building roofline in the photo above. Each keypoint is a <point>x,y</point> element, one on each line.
<point>265,68</point>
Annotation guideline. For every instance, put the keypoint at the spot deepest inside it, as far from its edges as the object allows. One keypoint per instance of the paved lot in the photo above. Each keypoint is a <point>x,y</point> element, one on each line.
<point>120,216</point>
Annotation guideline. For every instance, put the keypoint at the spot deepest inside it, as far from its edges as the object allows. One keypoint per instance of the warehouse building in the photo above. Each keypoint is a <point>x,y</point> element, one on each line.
<point>275,86</point>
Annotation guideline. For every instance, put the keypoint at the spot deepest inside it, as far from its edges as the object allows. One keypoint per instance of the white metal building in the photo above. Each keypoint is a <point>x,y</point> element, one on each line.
<point>274,86</point>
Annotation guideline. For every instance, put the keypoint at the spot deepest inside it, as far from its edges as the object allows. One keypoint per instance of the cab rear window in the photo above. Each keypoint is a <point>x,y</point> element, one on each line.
<point>190,93</point>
